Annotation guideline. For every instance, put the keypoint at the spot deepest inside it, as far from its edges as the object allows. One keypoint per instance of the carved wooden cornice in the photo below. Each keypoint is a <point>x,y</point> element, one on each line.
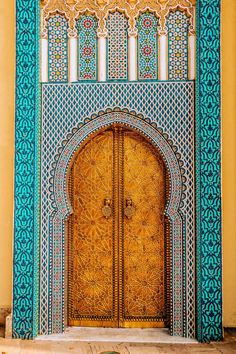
<point>71,9</point>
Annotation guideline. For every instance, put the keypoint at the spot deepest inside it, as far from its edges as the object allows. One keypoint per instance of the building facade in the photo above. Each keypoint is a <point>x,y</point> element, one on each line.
<point>120,75</point>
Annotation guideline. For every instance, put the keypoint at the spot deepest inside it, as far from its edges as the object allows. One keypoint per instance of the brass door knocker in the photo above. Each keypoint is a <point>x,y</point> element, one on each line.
<point>129,209</point>
<point>107,209</point>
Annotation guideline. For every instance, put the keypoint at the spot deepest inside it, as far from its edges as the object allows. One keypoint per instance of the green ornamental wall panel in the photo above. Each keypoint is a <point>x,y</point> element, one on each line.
<point>27,174</point>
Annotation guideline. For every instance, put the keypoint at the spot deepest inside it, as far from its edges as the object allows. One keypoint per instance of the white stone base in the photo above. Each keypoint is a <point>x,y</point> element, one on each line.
<point>8,329</point>
<point>121,335</point>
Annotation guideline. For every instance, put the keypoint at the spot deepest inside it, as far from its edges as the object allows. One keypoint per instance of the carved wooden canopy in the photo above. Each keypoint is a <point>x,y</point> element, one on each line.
<point>72,9</point>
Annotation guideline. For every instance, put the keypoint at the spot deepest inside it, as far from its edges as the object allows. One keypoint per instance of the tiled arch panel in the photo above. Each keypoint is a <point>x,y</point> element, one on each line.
<point>63,209</point>
<point>65,107</point>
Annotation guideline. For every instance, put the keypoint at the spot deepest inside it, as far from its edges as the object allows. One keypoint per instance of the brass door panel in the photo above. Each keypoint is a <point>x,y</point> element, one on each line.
<point>143,263</point>
<point>116,247</point>
<point>92,286</point>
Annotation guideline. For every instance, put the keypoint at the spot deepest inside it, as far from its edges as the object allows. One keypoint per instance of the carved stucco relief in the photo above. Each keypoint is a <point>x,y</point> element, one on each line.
<point>72,9</point>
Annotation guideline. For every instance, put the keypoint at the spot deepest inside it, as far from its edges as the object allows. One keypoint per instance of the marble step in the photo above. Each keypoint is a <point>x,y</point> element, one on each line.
<point>124,335</point>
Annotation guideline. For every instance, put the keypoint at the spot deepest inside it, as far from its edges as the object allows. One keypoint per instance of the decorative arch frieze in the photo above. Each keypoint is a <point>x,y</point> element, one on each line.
<point>62,208</point>
<point>168,151</point>
<point>72,9</point>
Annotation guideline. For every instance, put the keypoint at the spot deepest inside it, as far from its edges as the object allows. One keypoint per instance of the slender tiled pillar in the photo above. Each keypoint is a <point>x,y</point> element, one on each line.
<point>73,43</point>
<point>44,60</point>
<point>102,58</point>
<point>132,57</point>
<point>192,56</point>
<point>163,57</point>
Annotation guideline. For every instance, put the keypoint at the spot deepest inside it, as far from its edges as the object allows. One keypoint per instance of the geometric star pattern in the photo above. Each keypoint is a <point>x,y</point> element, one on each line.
<point>87,47</point>
<point>178,24</point>
<point>117,26</point>
<point>57,49</point>
<point>147,26</point>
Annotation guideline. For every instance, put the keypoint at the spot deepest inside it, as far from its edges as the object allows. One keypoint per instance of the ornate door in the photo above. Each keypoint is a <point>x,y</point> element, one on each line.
<point>117,254</point>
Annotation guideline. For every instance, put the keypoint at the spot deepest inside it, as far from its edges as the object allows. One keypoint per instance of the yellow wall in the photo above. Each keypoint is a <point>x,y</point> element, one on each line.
<point>229,160</point>
<point>7,59</point>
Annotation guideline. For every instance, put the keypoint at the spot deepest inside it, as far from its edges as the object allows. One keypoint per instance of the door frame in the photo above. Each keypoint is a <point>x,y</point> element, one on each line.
<point>26,279</point>
<point>118,135</point>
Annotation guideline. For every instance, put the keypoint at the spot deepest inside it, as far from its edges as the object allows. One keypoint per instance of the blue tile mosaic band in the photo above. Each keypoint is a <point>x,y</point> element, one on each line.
<point>208,172</point>
<point>26,208</point>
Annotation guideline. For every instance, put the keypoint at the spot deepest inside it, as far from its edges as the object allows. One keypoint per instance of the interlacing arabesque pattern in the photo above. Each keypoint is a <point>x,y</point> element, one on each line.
<point>26,220</point>
<point>208,173</point>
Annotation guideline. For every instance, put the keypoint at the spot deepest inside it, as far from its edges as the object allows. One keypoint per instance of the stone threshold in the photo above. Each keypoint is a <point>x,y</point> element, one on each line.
<point>117,335</point>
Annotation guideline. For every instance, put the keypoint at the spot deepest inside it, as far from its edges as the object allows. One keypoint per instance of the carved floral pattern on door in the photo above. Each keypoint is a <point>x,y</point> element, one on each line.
<point>117,233</point>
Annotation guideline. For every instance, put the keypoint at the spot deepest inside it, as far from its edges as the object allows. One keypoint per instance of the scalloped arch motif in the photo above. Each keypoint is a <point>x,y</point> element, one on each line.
<point>160,139</point>
<point>208,181</point>
<point>62,209</point>
<point>101,9</point>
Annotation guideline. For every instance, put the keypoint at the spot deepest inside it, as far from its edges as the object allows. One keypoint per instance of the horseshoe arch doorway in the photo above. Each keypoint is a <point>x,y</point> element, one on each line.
<point>118,236</point>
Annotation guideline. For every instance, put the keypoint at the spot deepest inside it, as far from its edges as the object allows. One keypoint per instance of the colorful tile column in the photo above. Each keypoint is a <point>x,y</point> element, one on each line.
<point>208,172</point>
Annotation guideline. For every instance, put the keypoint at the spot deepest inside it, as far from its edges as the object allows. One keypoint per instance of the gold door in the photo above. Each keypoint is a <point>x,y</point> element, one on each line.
<point>117,252</point>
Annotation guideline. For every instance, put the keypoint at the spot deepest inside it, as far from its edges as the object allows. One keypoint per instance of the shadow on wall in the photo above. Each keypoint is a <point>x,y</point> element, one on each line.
<point>4,312</point>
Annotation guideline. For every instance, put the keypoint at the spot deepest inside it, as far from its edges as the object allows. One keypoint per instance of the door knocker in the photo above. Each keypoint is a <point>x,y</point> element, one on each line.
<point>107,209</point>
<point>129,209</point>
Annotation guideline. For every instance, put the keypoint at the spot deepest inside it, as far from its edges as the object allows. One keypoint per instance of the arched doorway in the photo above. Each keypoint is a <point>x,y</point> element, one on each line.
<point>118,248</point>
